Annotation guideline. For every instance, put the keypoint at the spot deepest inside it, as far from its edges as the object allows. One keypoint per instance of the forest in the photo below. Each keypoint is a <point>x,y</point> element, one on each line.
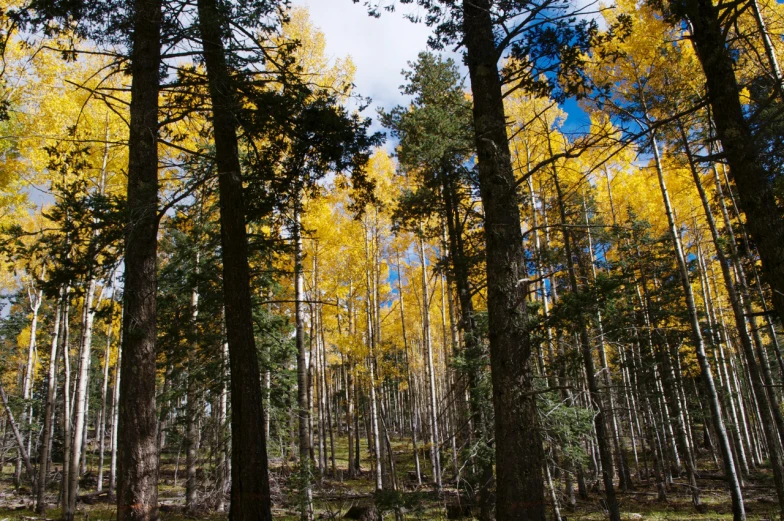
<point>232,285</point>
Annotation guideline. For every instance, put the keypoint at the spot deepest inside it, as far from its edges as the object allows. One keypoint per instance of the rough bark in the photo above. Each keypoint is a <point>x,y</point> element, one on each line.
<point>764,219</point>
<point>250,492</point>
<point>518,447</point>
<point>137,490</point>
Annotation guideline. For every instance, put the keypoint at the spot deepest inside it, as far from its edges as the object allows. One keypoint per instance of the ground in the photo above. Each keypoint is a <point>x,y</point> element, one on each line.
<point>334,496</point>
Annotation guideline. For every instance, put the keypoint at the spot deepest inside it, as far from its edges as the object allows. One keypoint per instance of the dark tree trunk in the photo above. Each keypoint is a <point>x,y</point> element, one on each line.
<point>250,493</point>
<point>600,418</point>
<point>137,489</point>
<point>473,346</point>
<point>755,186</point>
<point>518,446</point>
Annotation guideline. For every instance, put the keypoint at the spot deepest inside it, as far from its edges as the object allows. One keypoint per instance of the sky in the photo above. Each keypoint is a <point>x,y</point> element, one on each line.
<point>379,47</point>
<point>382,47</point>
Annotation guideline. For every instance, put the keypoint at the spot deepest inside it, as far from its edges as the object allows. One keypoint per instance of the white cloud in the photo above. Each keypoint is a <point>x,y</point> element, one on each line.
<point>379,47</point>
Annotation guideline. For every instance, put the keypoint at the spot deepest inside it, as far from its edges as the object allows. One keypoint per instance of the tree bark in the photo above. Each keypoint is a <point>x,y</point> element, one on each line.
<point>518,446</point>
<point>137,491</point>
<point>81,401</point>
<point>303,372</point>
<point>435,451</point>
<point>192,420</point>
<point>250,491</point>
<point>49,409</point>
<point>764,217</point>
<point>115,418</point>
<point>101,434</point>
<point>699,345</point>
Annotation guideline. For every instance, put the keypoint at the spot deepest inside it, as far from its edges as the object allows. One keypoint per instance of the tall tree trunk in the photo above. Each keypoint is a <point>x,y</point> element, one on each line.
<point>49,410</point>
<point>426,338</point>
<point>115,417</point>
<point>373,428</point>
<point>765,396</point>
<point>303,372</point>
<point>137,490</point>
<point>764,217</point>
<point>600,418</point>
<point>699,345</point>
<point>67,422</point>
<point>519,454</point>
<point>81,401</point>
<point>250,491</point>
<point>101,434</point>
<point>36,298</point>
<point>192,411</point>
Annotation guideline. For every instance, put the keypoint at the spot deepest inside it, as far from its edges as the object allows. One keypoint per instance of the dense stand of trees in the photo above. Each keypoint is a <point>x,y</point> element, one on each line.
<point>216,277</point>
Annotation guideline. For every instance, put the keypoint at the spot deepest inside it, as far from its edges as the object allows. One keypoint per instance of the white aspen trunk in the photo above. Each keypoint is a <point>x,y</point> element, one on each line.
<point>770,50</point>
<point>80,401</point>
<point>434,437</point>
<point>371,337</point>
<point>223,456</point>
<point>115,417</point>
<point>101,435</point>
<point>35,297</point>
<point>49,410</point>
<point>67,432</point>
<point>706,372</point>
<point>303,368</point>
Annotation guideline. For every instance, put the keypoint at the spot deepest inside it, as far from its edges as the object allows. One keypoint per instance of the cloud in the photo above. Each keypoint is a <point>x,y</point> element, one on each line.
<point>379,47</point>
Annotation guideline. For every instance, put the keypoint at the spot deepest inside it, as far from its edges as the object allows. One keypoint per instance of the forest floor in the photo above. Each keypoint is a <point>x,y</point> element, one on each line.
<point>334,496</point>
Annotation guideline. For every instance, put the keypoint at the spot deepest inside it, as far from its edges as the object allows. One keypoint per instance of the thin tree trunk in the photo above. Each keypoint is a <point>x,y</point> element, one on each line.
<point>101,434</point>
<point>303,371</point>
<point>434,439</point>
<point>705,369</point>
<point>49,410</point>
<point>115,416</point>
<point>192,405</point>
<point>80,402</point>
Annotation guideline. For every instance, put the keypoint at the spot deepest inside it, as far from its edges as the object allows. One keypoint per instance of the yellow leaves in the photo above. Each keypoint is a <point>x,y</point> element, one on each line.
<point>381,170</point>
<point>52,103</point>
<point>311,56</point>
